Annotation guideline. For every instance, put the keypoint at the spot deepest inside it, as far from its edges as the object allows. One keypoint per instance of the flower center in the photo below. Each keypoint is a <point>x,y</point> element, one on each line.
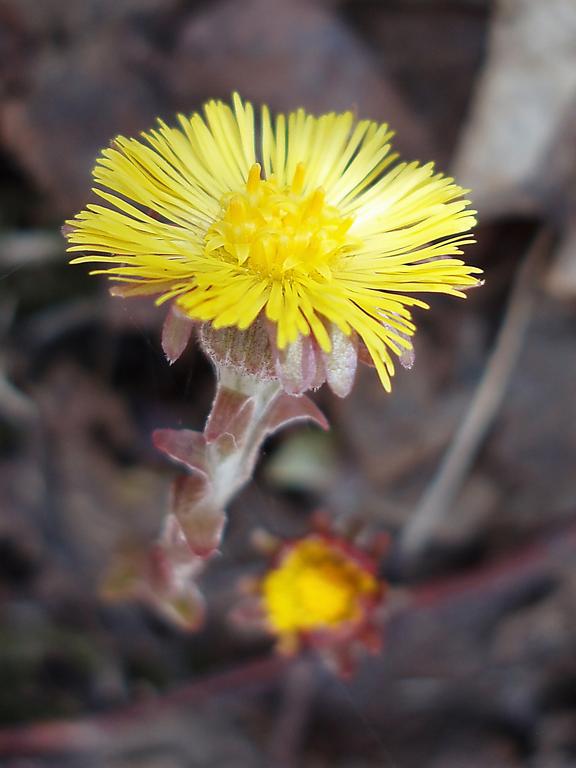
<point>280,231</point>
<point>316,586</point>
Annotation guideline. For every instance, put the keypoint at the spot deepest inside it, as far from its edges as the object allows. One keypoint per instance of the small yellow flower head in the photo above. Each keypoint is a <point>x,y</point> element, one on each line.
<point>305,225</point>
<point>322,592</point>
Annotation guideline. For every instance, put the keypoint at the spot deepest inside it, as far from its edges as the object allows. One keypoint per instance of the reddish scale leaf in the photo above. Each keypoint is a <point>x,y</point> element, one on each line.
<point>290,409</point>
<point>230,415</point>
<point>202,523</point>
<point>341,362</point>
<point>185,446</point>
<point>296,366</point>
<point>176,333</point>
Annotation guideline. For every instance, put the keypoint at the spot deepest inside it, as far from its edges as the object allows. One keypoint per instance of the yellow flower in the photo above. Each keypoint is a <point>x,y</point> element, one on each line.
<point>321,591</point>
<point>306,220</point>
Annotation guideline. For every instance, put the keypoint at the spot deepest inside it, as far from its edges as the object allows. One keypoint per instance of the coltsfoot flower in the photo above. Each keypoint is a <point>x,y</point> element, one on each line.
<point>320,592</point>
<point>306,228</point>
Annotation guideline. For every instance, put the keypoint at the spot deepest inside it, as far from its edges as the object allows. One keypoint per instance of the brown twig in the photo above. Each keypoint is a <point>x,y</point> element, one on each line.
<point>111,730</point>
<point>438,499</point>
<point>541,558</point>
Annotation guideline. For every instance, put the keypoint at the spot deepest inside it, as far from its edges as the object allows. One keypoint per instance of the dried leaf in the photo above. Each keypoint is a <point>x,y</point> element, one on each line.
<point>527,87</point>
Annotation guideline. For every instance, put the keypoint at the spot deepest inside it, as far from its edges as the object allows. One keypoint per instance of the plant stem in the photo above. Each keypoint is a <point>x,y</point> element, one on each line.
<point>229,470</point>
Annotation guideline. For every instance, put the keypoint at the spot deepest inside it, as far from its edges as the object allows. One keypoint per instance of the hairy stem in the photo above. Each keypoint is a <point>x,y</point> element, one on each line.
<point>229,470</point>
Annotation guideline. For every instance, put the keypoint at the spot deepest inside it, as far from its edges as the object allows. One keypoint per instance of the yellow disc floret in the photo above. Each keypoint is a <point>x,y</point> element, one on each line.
<point>278,232</point>
<point>315,586</point>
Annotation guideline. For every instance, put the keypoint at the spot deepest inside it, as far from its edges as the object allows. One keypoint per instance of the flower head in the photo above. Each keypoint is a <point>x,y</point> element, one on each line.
<point>317,585</point>
<point>306,225</point>
<point>322,592</point>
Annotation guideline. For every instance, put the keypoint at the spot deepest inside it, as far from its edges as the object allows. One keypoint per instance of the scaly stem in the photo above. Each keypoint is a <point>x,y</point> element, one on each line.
<point>230,469</point>
<point>219,461</point>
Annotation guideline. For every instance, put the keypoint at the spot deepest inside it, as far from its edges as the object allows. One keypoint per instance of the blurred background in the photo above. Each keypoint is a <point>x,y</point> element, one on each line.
<point>479,668</point>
